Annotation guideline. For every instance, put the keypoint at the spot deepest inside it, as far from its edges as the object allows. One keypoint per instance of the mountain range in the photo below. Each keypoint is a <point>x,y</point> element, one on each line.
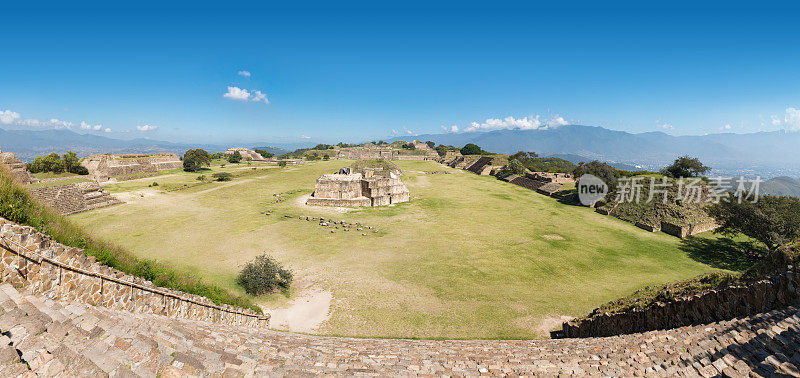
<point>768,154</point>
<point>27,144</point>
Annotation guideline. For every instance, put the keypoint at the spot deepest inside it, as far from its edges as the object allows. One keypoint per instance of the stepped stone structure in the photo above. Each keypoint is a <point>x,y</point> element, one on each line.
<point>60,338</point>
<point>106,167</point>
<point>356,189</point>
<point>556,178</point>
<point>17,168</point>
<point>247,154</point>
<point>75,198</point>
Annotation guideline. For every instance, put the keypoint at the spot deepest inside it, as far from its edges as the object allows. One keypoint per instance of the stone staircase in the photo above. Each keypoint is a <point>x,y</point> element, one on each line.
<point>42,337</point>
<point>95,197</point>
<point>75,197</point>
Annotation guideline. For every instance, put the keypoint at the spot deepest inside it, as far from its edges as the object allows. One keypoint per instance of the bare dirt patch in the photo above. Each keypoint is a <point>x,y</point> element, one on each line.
<point>306,313</point>
<point>552,237</point>
<point>551,323</point>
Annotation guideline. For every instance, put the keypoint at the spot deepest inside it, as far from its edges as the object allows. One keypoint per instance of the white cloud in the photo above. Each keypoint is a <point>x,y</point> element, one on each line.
<point>244,73</point>
<point>147,128</point>
<point>236,93</point>
<point>240,94</point>
<point>59,124</point>
<point>8,117</point>
<point>776,121</point>
<point>726,127</point>
<point>557,121</point>
<point>305,137</point>
<point>258,97</point>
<point>451,129</point>
<point>525,123</point>
<point>792,119</point>
<point>665,126</point>
<point>86,126</point>
<point>107,130</point>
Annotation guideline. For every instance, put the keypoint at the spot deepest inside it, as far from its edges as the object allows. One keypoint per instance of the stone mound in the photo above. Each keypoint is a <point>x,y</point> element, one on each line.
<point>17,168</point>
<point>75,198</point>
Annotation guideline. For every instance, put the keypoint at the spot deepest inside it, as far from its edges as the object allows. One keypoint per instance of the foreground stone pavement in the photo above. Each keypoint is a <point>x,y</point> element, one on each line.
<point>41,337</point>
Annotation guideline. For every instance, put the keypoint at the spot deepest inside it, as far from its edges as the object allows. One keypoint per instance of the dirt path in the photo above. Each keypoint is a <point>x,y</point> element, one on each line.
<point>304,313</point>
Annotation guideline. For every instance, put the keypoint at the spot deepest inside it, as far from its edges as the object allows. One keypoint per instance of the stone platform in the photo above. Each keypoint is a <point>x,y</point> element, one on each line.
<point>54,338</point>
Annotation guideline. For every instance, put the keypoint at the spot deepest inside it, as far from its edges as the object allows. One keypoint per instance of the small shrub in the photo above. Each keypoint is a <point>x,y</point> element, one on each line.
<point>282,163</point>
<point>264,275</point>
<point>154,184</point>
<point>222,176</point>
<point>201,178</point>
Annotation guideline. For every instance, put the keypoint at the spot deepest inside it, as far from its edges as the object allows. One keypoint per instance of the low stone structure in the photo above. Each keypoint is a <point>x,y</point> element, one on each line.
<point>557,178</point>
<point>75,198</point>
<point>16,168</point>
<point>357,189</point>
<point>775,292</point>
<point>31,259</point>
<point>247,154</point>
<point>366,153</point>
<point>105,167</point>
<point>683,231</point>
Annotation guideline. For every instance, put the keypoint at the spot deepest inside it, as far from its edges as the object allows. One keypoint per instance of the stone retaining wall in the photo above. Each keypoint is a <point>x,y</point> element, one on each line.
<point>31,259</point>
<point>731,302</point>
<point>683,231</point>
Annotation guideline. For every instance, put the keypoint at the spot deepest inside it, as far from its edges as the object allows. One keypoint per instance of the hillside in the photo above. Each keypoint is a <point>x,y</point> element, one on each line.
<point>781,186</point>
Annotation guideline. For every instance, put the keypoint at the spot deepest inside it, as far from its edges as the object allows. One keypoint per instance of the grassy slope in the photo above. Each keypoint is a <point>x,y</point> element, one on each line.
<point>465,259</point>
<point>17,205</point>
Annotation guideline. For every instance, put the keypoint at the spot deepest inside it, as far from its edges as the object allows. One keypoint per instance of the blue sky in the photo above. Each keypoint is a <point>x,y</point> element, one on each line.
<point>352,71</point>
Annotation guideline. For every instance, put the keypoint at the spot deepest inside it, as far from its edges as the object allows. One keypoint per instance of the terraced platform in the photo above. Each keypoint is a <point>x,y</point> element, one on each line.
<point>53,338</point>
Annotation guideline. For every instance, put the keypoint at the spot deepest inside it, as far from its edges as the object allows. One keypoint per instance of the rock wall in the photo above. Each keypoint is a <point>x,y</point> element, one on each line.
<point>75,198</point>
<point>16,168</point>
<point>777,291</point>
<point>356,190</point>
<point>31,259</point>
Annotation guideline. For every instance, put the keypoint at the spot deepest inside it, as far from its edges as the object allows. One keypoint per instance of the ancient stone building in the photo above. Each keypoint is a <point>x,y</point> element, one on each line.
<point>557,178</point>
<point>366,153</point>
<point>367,188</point>
<point>75,198</point>
<point>247,154</point>
<point>17,168</point>
<point>105,167</point>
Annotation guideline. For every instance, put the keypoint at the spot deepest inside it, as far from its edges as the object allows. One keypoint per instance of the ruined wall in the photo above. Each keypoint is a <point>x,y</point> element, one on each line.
<point>75,198</point>
<point>683,231</point>
<point>338,186</point>
<point>478,165</point>
<point>17,169</point>
<point>778,291</point>
<point>31,259</point>
<point>355,190</point>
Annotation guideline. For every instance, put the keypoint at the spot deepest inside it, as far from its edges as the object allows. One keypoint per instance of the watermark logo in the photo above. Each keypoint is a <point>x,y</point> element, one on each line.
<point>591,189</point>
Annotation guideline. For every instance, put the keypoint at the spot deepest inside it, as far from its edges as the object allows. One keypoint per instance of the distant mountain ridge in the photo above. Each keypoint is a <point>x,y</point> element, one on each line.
<point>781,186</point>
<point>773,152</point>
<point>27,144</point>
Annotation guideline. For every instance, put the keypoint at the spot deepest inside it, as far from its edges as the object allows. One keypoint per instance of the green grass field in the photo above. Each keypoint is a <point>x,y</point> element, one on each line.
<point>469,257</point>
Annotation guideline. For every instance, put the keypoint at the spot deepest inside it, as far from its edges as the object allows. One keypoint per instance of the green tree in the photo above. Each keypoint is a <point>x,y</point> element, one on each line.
<point>49,163</point>
<point>264,275</point>
<point>430,144</point>
<point>471,149</point>
<point>441,150</point>
<point>326,157</point>
<point>603,171</point>
<point>194,159</point>
<point>685,166</point>
<point>282,163</point>
<point>772,220</point>
<point>235,157</point>
<point>264,153</point>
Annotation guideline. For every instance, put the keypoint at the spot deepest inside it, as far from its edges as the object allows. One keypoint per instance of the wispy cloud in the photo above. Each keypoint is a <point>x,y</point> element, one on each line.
<point>86,126</point>
<point>8,117</point>
<point>244,73</point>
<point>511,123</point>
<point>240,94</point>
<point>726,127</point>
<point>147,128</point>
<point>107,130</point>
<point>775,120</point>
<point>305,137</point>
<point>664,125</point>
<point>792,119</point>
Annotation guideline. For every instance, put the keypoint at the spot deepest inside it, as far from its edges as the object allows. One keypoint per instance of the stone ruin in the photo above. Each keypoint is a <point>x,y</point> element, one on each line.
<point>357,189</point>
<point>556,178</point>
<point>75,198</point>
<point>247,154</point>
<point>106,167</point>
<point>16,168</point>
